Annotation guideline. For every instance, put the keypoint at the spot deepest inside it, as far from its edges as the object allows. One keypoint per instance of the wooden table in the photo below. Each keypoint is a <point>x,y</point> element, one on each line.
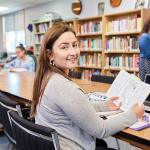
<point>21,84</point>
<point>17,84</point>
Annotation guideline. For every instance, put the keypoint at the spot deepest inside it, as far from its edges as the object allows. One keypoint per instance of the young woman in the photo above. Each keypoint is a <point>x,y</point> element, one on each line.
<point>61,104</point>
<point>144,46</point>
<point>22,60</point>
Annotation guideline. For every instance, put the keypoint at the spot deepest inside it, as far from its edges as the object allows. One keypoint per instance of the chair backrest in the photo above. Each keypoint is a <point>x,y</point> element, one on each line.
<point>3,55</point>
<point>75,74</point>
<point>35,60</point>
<point>6,105</point>
<point>102,78</point>
<point>30,136</point>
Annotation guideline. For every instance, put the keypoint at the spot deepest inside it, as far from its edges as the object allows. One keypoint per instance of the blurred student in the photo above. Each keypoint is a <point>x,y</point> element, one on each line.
<point>21,61</point>
<point>144,46</point>
<point>62,105</point>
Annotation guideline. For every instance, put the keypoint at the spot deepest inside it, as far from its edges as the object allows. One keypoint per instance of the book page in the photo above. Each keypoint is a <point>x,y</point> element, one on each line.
<point>18,70</point>
<point>129,89</point>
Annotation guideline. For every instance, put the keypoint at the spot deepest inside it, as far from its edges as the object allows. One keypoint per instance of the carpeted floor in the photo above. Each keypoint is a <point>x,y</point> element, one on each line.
<point>4,143</point>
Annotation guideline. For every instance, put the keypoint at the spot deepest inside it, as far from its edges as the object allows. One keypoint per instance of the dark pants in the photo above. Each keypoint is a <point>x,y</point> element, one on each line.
<point>144,68</point>
<point>102,145</point>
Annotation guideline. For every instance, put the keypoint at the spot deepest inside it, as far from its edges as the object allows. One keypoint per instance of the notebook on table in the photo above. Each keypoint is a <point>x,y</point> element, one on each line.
<point>142,123</point>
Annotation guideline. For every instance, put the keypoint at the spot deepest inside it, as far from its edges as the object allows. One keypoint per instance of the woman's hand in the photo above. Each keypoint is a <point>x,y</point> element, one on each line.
<point>138,110</point>
<point>111,105</point>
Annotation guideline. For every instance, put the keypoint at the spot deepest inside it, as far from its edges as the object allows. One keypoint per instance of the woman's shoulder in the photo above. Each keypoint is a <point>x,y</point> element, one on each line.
<point>58,77</point>
<point>61,81</point>
<point>29,57</point>
<point>145,35</point>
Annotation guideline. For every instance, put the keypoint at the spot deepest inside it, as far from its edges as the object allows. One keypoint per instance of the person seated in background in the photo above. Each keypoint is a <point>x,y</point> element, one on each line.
<point>21,61</point>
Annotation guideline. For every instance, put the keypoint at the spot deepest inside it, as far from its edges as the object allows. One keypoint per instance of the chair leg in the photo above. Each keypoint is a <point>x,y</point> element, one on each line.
<point>118,146</point>
<point>11,147</point>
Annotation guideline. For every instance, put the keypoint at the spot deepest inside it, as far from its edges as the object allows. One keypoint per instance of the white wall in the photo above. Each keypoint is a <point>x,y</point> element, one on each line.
<point>124,6</point>
<point>63,7</point>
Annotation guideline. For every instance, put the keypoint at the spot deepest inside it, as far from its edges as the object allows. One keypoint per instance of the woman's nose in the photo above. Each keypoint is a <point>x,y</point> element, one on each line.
<point>73,51</point>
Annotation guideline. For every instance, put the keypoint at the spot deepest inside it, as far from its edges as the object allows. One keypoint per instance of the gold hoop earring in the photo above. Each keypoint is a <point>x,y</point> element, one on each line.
<point>52,62</point>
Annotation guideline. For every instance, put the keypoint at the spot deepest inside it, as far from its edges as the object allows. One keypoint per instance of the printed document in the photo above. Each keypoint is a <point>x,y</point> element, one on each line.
<point>129,89</point>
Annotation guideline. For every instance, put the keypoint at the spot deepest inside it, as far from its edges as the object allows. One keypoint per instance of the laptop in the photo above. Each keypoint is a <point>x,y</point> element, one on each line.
<point>147,101</point>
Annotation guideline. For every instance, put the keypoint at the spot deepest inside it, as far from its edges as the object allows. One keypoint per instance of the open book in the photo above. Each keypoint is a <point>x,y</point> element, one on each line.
<point>13,70</point>
<point>130,90</point>
<point>18,70</point>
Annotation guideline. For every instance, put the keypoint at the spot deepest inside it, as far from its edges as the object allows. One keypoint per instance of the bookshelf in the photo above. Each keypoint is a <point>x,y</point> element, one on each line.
<point>121,31</point>
<point>108,43</point>
<point>39,29</point>
<point>89,32</point>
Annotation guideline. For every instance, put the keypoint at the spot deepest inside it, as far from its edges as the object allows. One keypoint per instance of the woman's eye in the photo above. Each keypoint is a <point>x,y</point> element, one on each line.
<point>75,45</point>
<point>64,47</point>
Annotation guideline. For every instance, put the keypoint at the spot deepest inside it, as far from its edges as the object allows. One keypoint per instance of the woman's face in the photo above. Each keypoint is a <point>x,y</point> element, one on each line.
<point>20,53</point>
<point>65,51</point>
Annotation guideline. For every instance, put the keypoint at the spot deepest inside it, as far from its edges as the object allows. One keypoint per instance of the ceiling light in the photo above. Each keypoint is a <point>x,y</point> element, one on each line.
<point>3,8</point>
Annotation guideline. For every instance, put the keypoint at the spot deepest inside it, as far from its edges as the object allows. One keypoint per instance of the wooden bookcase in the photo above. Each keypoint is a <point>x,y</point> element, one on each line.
<point>39,29</point>
<point>89,33</point>
<point>121,31</point>
<point>108,43</point>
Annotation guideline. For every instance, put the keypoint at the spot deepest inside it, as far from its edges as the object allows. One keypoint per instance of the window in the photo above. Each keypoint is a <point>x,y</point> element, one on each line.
<point>10,41</point>
<point>13,39</point>
<point>20,37</point>
<point>13,31</point>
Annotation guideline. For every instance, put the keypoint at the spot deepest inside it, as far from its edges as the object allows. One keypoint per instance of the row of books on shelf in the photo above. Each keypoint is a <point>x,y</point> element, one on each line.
<point>126,24</point>
<point>120,61</point>
<point>38,38</point>
<point>126,42</point>
<point>89,27</point>
<point>91,60</point>
<point>122,51</point>
<point>91,43</point>
<point>42,28</point>
<point>87,74</point>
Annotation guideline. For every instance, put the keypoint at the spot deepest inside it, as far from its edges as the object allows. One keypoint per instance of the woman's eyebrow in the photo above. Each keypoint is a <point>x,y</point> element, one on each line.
<point>64,43</point>
<point>68,43</point>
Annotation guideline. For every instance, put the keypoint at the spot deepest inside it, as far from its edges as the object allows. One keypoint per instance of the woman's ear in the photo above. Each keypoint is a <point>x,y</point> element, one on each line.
<point>49,53</point>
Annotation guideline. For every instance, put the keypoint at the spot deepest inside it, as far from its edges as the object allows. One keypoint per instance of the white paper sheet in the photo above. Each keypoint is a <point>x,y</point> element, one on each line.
<point>129,89</point>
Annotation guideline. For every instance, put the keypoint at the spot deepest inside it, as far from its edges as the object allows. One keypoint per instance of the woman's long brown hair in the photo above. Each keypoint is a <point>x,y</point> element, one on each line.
<point>146,27</point>
<point>44,68</point>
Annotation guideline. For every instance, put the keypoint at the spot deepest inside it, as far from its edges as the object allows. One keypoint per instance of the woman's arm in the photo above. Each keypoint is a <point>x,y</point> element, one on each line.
<point>100,106</point>
<point>144,45</point>
<point>78,108</point>
<point>10,64</point>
